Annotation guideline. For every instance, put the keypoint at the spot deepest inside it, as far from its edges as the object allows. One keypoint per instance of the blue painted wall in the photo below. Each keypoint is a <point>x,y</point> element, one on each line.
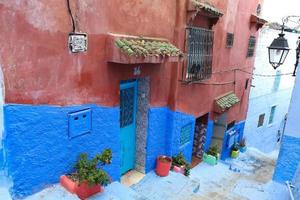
<point>159,129</point>
<point>289,155</point>
<point>288,159</point>
<point>163,137</point>
<point>180,120</point>
<point>296,182</point>
<point>39,151</point>
<point>239,128</point>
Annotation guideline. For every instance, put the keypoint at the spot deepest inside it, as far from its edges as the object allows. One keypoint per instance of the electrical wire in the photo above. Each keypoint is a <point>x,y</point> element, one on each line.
<point>71,15</point>
<point>233,82</point>
<point>254,74</point>
<point>265,75</point>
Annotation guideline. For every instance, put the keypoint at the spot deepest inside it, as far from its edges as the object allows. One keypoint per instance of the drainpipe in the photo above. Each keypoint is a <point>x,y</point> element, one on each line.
<point>290,188</point>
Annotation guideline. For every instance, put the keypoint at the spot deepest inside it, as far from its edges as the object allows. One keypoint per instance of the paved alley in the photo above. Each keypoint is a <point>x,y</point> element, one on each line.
<point>246,178</point>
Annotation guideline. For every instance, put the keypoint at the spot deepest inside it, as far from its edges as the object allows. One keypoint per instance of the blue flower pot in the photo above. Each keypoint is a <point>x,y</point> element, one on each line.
<point>243,149</point>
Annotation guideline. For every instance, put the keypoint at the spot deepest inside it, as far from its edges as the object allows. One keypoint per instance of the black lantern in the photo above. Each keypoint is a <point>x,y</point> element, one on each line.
<point>278,51</point>
<point>297,56</point>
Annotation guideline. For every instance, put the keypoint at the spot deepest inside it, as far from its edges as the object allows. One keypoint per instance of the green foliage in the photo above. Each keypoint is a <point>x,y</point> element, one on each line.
<point>179,161</point>
<point>90,170</point>
<point>214,150</point>
<point>144,47</point>
<point>242,142</point>
<point>235,147</point>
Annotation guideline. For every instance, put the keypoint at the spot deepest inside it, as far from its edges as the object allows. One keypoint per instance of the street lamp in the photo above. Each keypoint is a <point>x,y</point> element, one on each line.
<point>278,51</point>
<point>279,48</point>
<point>297,56</point>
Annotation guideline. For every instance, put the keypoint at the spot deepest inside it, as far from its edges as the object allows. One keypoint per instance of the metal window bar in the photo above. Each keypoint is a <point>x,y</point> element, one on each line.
<point>200,53</point>
<point>251,46</point>
<point>229,40</point>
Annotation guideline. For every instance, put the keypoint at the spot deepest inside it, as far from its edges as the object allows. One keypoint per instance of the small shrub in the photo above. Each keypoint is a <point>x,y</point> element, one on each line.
<point>179,161</point>
<point>235,147</point>
<point>214,150</point>
<point>90,170</point>
<point>242,142</point>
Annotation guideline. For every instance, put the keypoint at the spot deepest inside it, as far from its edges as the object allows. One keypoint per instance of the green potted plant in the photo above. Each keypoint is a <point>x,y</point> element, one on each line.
<point>88,177</point>
<point>242,145</point>
<point>212,155</point>
<point>235,151</point>
<point>180,165</point>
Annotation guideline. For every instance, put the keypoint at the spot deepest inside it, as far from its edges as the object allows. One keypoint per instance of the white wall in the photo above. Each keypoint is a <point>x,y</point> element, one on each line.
<point>263,97</point>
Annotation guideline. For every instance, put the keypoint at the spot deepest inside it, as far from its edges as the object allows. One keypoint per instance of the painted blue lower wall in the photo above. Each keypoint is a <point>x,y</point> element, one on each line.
<point>39,151</point>
<point>239,128</point>
<point>164,128</point>
<point>288,159</point>
<point>296,182</point>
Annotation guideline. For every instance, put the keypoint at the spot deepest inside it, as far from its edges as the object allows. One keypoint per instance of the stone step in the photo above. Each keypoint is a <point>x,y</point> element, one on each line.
<point>117,191</point>
<point>173,187</point>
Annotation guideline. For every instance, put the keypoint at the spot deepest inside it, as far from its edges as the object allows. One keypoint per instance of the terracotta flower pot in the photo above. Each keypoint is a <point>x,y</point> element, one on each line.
<point>163,165</point>
<point>82,190</point>
<point>180,169</point>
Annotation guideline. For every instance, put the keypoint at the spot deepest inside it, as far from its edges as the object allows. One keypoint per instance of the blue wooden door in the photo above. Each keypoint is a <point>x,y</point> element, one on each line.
<point>128,108</point>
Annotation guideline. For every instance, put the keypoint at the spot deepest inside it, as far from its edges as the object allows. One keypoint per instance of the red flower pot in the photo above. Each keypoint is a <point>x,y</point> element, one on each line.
<point>82,190</point>
<point>163,165</point>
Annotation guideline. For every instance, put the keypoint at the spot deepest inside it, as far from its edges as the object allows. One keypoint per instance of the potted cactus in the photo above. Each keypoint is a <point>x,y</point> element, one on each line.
<point>242,145</point>
<point>212,156</point>
<point>180,165</point>
<point>88,177</point>
<point>235,151</point>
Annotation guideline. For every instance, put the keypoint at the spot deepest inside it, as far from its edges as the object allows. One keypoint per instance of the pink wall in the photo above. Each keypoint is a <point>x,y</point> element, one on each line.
<point>38,68</point>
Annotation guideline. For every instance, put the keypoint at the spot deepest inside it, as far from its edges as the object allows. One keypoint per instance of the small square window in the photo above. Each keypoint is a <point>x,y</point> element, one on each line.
<point>251,46</point>
<point>261,120</point>
<point>246,83</point>
<point>272,114</point>
<point>229,40</point>
<point>185,134</point>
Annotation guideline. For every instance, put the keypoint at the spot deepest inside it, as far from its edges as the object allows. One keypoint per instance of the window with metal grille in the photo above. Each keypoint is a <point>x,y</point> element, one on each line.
<point>272,114</point>
<point>200,54</point>
<point>251,46</point>
<point>229,40</point>
<point>261,120</point>
<point>185,134</point>
<point>126,107</point>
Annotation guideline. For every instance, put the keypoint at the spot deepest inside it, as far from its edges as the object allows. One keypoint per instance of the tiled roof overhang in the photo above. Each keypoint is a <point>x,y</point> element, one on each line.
<point>225,102</point>
<point>128,49</point>
<point>211,11</point>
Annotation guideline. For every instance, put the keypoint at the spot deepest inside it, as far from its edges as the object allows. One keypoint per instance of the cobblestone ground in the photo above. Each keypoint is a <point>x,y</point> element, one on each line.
<point>247,178</point>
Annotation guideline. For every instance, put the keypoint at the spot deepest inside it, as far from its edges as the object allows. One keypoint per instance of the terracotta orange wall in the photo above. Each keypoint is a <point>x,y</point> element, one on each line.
<point>38,68</point>
<point>198,99</point>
